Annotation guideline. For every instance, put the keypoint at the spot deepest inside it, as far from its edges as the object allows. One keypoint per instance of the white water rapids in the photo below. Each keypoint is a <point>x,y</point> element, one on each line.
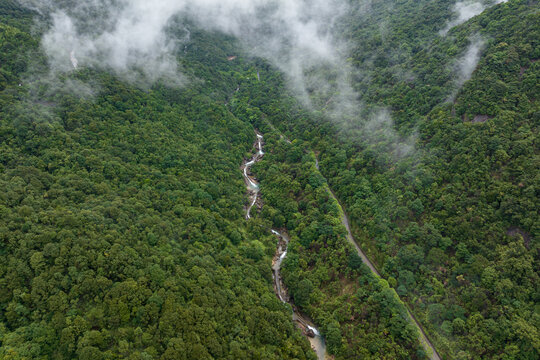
<point>316,340</point>
<point>315,331</point>
<point>307,327</point>
<point>251,183</point>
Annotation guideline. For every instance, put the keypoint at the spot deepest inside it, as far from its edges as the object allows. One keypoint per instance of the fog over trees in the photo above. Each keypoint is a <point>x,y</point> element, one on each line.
<point>124,128</point>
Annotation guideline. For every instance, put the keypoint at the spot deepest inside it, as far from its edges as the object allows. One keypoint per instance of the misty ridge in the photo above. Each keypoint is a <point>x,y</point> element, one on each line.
<point>467,63</point>
<point>464,66</point>
<point>465,10</point>
<point>299,37</point>
<point>126,35</point>
<point>187,179</point>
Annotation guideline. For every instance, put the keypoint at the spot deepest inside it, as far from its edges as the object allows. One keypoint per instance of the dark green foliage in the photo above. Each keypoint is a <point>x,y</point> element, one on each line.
<point>121,220</point>
<point>455,225</point>
<point>358,314</point>
<point>122,231</point>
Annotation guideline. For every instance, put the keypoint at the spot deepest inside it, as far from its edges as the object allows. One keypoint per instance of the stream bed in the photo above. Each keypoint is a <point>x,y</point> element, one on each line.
<point>304,323</point>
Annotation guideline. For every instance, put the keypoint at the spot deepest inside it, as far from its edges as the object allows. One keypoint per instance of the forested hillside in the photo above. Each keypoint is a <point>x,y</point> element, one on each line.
<point>121,226</point>
<point>123,232</point>
<point>360,315</point>
<point>453,223</point>
<point>122,216</point>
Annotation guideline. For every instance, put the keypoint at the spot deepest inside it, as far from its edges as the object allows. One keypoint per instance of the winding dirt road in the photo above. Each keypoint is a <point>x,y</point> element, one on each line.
<point>424,340</point>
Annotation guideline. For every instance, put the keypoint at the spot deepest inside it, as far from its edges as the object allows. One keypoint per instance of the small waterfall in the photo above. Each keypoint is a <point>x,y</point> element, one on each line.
<point>252,185</point>
<point>309,330</point>
<point>315,331</point>
<point>313,335</point>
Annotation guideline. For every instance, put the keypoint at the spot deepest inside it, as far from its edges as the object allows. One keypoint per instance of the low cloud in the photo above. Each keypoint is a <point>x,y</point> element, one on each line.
<point>380,135</point>
<point>131,41</point>
<point>130,37</point>
<point>465,10</point>
<point>467,63</point>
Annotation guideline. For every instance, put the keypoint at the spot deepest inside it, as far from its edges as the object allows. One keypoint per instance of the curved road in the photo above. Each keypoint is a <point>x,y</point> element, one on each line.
<point>424,340</point>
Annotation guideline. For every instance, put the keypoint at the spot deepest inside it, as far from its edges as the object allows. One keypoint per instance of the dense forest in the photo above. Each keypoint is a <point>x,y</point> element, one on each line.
<point>122,228</point>
<point>122,215</point>
<point>452,226</point>
<point>360,315</point>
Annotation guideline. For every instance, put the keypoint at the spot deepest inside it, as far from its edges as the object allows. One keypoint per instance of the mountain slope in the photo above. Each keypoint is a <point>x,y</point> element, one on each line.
<point>122,227</point>
<point>453,226</point>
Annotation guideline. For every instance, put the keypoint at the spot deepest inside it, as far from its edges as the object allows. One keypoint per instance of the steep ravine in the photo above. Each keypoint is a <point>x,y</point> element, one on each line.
<point>307,327</point>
